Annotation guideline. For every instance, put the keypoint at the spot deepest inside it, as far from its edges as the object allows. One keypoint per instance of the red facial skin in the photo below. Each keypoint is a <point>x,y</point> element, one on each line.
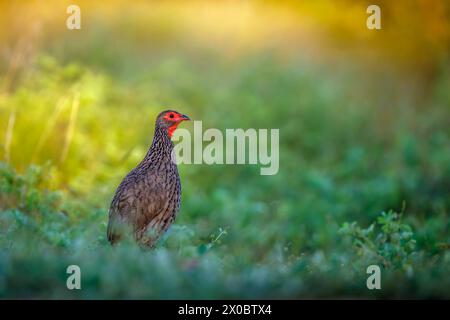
<point>175,118</point>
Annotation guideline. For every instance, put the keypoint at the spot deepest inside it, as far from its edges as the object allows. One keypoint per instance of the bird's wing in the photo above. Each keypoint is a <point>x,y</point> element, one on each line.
<point>151,205</point>
<point>136,203</point>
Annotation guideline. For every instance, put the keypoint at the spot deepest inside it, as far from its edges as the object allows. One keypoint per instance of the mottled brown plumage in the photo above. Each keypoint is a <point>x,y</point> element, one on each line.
<point>148,198</point>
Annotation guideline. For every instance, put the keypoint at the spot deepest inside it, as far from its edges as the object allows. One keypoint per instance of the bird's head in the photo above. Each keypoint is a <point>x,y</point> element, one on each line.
<point>169,120</point>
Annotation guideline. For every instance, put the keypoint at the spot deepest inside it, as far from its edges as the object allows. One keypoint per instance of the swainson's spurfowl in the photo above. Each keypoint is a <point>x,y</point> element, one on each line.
<point>149,197</point>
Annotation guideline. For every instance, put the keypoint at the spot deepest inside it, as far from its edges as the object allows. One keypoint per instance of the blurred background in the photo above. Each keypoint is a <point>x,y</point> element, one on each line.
<point>364,119</point>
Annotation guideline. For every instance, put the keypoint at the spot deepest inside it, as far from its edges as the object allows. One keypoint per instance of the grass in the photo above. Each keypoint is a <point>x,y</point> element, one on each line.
<point>364,174</point>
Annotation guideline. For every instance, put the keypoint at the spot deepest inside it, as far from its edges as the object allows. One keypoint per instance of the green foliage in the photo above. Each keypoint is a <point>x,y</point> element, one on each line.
<point>238,235</point>
<point>25,192</point>
<point>388,241</point>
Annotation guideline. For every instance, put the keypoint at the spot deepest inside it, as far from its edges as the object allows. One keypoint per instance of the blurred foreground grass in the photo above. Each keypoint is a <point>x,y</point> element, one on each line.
<point>356,141</point>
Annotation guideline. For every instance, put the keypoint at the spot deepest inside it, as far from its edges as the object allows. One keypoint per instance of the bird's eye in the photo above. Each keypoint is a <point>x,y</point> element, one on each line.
<point>171,115</point>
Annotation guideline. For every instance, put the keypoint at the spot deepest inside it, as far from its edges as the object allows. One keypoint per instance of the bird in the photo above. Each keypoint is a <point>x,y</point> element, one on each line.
<point>148,199</point>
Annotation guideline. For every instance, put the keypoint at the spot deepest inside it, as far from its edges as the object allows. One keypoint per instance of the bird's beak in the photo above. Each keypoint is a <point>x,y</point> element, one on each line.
<point>184,118</point>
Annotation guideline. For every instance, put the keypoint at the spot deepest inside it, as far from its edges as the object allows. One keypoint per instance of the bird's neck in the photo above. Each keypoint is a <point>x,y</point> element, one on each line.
<point>161,148</point>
